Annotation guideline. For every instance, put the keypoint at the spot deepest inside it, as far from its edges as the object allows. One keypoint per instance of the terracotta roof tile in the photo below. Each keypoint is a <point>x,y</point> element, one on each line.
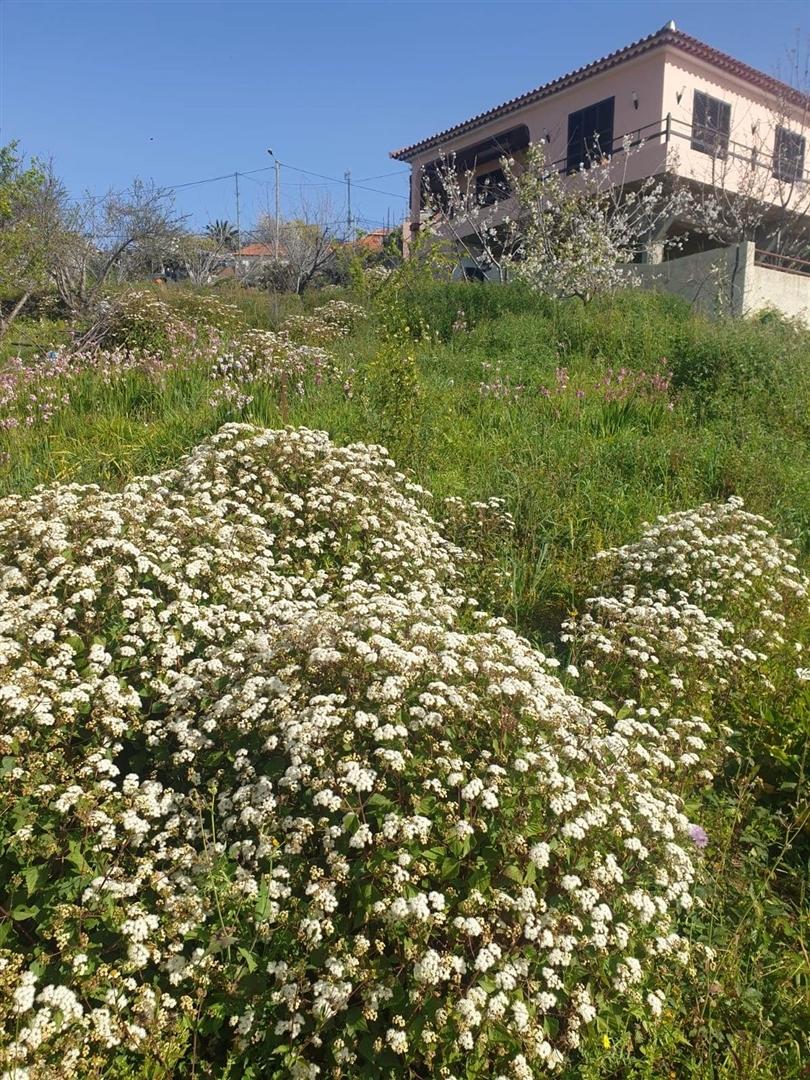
<point>260,250</point>
<point>373,241</point>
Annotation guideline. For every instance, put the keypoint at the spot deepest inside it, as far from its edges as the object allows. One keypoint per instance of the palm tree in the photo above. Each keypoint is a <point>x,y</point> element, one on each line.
<point>223,233</point>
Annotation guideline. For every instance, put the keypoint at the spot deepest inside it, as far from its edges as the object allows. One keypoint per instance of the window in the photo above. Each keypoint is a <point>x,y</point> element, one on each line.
<point>590,134</point>
<point>788,155</point>
<point>504,144</point>
<point>469,158</point>
<point>491,187</point>
<point>711,123</point>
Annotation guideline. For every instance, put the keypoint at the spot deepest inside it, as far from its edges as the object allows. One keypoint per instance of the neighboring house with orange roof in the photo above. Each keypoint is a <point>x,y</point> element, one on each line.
<point>373,241</point>
<point>690,112</point>
<point>256,251</point>
<point>248,262</point>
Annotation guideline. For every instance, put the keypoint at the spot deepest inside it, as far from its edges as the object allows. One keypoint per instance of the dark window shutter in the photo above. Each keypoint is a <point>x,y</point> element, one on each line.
<point>788,155</point>
<point>699,110</point>
<point>604,125</point>
<point>590,133</point>
<point>800,149</point>
<point>711,124</point>
<point>724,118</point>
<point>576,143</point>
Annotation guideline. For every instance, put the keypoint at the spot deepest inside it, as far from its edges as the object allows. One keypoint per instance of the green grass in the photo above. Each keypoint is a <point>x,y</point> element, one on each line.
<point>578,474</point>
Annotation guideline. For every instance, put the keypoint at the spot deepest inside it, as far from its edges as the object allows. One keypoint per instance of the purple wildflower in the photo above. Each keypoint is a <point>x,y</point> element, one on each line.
<point>699,836</point>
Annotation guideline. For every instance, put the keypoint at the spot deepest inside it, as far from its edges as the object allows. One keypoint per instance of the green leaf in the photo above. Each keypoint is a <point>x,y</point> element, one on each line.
<point>76,858</point>
<point>379,802</point>
<point>33,876</point>
<point>249,959</point>
<point>21,911</point>
<point>449,867</point>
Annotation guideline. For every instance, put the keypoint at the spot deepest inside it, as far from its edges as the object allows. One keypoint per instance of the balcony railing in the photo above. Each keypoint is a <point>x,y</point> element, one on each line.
<point>788,264</point>
<point>664,132</point>
<point>668,129</point>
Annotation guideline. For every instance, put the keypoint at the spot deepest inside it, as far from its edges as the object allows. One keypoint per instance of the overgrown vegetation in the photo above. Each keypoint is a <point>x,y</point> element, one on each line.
<point>547,431</point>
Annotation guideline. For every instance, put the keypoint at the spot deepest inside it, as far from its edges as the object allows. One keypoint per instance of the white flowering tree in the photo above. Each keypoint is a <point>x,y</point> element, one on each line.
<point>581,231</point>
<point>566,235</point>
<point>469,211</point>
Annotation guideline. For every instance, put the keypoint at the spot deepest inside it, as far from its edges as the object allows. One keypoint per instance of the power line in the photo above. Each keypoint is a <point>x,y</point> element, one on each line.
<point>335,180</point>
<point>382,176</point>
<point>250,174</point>
<point>292,168</point>
<point>213,179</point>
<point>196,183</point>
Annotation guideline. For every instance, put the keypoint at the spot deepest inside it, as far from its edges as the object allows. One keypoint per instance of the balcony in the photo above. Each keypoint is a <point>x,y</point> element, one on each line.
<point>698,138</point>
<point>710,157</point>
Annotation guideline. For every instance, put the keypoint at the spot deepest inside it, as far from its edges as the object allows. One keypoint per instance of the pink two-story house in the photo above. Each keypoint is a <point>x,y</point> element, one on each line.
<point>688,110</point>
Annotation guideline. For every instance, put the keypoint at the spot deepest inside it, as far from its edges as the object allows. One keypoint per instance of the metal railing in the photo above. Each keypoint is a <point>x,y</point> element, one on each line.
<point>788,264</point>
<point>630,140</point>
<point>668,128</point>
<point>664,132</point>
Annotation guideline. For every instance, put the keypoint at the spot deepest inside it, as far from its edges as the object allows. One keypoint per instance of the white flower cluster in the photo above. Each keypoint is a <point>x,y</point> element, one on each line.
<point>270,359</point>
<point>704,597</point>
<point>264,761</point>
<point>327,323</point>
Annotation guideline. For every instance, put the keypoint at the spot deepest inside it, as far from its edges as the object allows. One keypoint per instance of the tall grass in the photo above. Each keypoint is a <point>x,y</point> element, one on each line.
<point>577,473</point>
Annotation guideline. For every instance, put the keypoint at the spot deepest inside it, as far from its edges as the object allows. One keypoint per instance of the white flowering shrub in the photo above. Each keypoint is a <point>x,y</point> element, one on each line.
<point>327,323</point>
<point>275,796</point>
<point>140,320</point>
<point>271,360</point>
<point>701,596</point>
<point>708,606</point>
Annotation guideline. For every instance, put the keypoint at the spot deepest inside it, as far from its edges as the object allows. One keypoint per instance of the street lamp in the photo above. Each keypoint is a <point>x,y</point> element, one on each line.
<point>277,164</point>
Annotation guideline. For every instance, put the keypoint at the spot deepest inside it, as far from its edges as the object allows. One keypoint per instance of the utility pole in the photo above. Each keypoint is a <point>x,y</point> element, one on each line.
<point>277,168</point>
<point>238,225</point>
<point>348,177</point>
<point>278,215</point>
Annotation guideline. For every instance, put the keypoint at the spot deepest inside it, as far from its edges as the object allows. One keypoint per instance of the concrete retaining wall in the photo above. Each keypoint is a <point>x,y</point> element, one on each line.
<point>770,288</point>
<point>728,281</point>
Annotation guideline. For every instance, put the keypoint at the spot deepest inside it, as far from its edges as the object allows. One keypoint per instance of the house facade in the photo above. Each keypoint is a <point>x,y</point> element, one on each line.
<point>688,110</point>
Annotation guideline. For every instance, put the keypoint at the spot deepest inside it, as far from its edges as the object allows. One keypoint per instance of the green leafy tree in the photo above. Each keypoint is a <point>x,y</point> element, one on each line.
<point>22,267</point>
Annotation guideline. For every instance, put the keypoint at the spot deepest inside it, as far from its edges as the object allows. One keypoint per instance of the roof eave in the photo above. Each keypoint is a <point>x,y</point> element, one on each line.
<point>667,36</point>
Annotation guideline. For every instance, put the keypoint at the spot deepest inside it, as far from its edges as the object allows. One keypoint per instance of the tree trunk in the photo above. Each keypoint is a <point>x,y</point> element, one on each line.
<point>7,320</point>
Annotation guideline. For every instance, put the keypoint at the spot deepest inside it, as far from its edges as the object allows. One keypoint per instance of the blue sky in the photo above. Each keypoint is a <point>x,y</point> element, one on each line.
<point>182,90</point>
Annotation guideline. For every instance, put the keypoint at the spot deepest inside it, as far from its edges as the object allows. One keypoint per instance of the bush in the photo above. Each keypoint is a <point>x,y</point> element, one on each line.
<point>143,321</point>
<point>326,323</point>
<point>276,799</point>
<point>703,595</point>
<point>711,608</point>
